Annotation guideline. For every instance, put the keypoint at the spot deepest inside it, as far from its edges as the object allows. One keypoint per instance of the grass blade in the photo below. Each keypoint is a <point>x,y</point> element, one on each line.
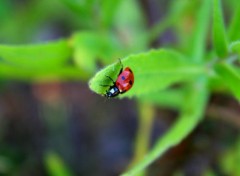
<point>219,33</point>
<point>47,55</point>
<point>233,32</point>
<point>200,32</point>
<point>230,77</point>
<point>55,165</point>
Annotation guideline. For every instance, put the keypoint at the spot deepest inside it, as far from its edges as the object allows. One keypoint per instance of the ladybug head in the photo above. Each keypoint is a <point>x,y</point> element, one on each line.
<point>113,91</point>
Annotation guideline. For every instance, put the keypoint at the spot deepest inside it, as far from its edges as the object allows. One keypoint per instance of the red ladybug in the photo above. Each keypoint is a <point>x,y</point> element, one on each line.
<point>123,83</point>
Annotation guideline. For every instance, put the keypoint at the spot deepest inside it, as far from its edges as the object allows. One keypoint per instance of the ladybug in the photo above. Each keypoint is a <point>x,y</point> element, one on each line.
<point>123,83</point>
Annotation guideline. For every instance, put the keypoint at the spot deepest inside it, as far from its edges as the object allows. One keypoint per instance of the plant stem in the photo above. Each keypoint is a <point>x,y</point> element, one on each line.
<point>146,117</point>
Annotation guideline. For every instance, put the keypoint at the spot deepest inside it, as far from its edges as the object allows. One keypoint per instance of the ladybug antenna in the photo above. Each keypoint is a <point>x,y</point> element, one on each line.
<point>120,61</point>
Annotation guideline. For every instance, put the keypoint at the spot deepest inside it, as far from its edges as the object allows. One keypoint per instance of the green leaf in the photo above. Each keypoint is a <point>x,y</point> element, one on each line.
<point>41,74</point>
<point>219,33</point>
<point>198,42</point>
<point>230,159</point>
<point>235,47</point>
<point>48,55</point>
<point>49,61</point>
<point>108,11</point>
<point>233,32</point>
<point>209,172</point>
<point>191,115</point>
<point>153,71</point>
<point>230,77</point>
<point>92,46</point>
<point>216,84</point>
<point>130,22</point>
<point>55,165</point>
<point>82,7</point>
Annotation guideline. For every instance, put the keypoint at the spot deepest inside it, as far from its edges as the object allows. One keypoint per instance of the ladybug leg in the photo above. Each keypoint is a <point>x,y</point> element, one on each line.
<point>107,85</point>
<point>110,79</point>
<point>103,85</point>
<point>121,67</point>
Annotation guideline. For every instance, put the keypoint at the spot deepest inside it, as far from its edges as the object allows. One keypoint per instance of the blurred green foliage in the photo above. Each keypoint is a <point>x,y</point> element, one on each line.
<point>55,165</point>
<point>79,37</point>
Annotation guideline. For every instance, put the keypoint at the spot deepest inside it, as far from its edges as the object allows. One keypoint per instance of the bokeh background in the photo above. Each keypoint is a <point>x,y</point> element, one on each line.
<point>60,128</point>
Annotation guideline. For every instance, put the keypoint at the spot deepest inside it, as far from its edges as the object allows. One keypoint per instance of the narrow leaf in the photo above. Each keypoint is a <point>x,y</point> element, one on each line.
<point>219,33</point>
<point>90,46</point>
<point>153,71</point>
<point>83,7</point>
<point>48,55</point>
<point>55,165</point>
<point>233,32</point>
<point>230,77</point>
<point>190,116</point>
<point>235,47</point>
<point>108,10</point>
<point>129,19</point>
<point>198,43</point>
<point>41,74</point>
<point>230,159</point>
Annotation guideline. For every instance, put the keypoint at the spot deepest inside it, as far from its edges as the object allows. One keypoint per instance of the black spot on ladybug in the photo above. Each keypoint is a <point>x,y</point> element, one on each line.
<point>123,78</point>
<point>130,82</point>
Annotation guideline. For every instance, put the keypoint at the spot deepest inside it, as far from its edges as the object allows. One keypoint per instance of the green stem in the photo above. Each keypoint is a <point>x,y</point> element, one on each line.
<point>146,114</point>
